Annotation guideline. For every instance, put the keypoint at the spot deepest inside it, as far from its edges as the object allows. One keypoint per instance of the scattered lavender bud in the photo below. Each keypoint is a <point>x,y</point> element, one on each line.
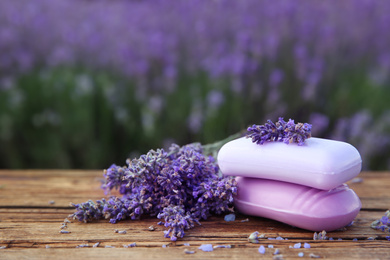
<point>230,217</point>
<point>279,238</point>
<point>3,247</point>
<point>51,202</point>
<point>371,238</point>
<point>64,225</point>
<point>339,239</point>
<point>206,247</point>
<point>270,246</point>
<point>245,220</point>
<point>314,256</point>
<point>82,245</point>
<point>186,244</point>
<point>122,232</point>
<point>262,249</point>
<point>164,246</point>
<point>300,254</point>
<point>357,180</point>
<point>350,224</point>
<point>96,244</point>
<point>67,220</point>
<point>65,231</point>
<point>130,245</point>
<point>271,238</point>
<point>108,246</point>
<point>355,239</point>
<point>320,236</point>
<point>222,246</point>
<point>253,238</point>
<point>151,228</point>
<point>189,251</point>
<point>47,246</point>
<point>306,245</point>
<point>297,245</point>
<point>331,239</point>
<point>277,251</point>
<point>382,224</point>
<point>388,238</point>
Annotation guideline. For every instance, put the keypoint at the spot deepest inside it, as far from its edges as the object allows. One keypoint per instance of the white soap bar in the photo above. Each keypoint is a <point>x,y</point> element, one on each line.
<point>319,163</point>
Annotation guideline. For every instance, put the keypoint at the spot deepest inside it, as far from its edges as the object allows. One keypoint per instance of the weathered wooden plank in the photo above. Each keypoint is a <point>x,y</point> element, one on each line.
<point>373,190</point>
<point>42,226</point>
<point>374,250</point>
<point>28,223</point>
<point>37,188</point>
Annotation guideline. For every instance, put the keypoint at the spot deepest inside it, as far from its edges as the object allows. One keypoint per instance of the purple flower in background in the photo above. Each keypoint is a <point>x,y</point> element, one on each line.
<point>268,58</point>
<point>215,99</point>
<point>321,123</point>
<point>276,77</point>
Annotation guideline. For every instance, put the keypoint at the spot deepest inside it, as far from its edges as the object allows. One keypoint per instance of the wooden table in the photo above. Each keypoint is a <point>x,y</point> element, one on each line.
<point>34,204</point>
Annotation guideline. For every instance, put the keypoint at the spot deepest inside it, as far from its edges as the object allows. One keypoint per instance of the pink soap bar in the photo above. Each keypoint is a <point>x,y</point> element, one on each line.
<point>319,163</point>
<point>297,205</point>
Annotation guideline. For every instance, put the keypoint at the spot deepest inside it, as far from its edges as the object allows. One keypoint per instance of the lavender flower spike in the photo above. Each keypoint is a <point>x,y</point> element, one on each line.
<point>288,132</point>
<point>296,133</point>
<point>268,132</point>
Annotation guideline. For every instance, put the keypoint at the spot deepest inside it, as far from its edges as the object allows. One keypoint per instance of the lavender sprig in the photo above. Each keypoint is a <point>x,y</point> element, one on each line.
<point>180,186</point>
<point>282,131</point>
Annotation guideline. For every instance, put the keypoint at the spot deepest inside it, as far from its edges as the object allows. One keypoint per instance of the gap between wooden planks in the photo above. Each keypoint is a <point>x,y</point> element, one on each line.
<point>29,223</point>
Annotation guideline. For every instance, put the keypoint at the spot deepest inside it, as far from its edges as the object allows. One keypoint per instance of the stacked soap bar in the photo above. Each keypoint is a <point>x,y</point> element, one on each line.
<point>301,185</point>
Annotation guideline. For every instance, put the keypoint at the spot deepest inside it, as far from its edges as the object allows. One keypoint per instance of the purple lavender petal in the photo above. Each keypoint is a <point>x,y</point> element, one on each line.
<point>262,249</point>
<point>297,245</point>
<point>206,247</point>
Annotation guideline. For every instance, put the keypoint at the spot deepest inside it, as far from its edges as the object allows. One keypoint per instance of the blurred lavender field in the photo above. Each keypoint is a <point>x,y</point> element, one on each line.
<point>84,84</point>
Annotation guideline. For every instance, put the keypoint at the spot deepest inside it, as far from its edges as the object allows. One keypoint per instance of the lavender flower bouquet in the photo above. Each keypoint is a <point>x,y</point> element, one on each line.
<point>180,186</point>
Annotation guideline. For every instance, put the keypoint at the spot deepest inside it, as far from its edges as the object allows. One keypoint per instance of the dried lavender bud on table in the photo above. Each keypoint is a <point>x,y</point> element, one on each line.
<point>180,186</point>
<point>383,223</point>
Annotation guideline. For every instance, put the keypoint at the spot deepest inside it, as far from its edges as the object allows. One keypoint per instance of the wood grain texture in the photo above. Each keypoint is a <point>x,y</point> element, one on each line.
<point>30,225</point>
